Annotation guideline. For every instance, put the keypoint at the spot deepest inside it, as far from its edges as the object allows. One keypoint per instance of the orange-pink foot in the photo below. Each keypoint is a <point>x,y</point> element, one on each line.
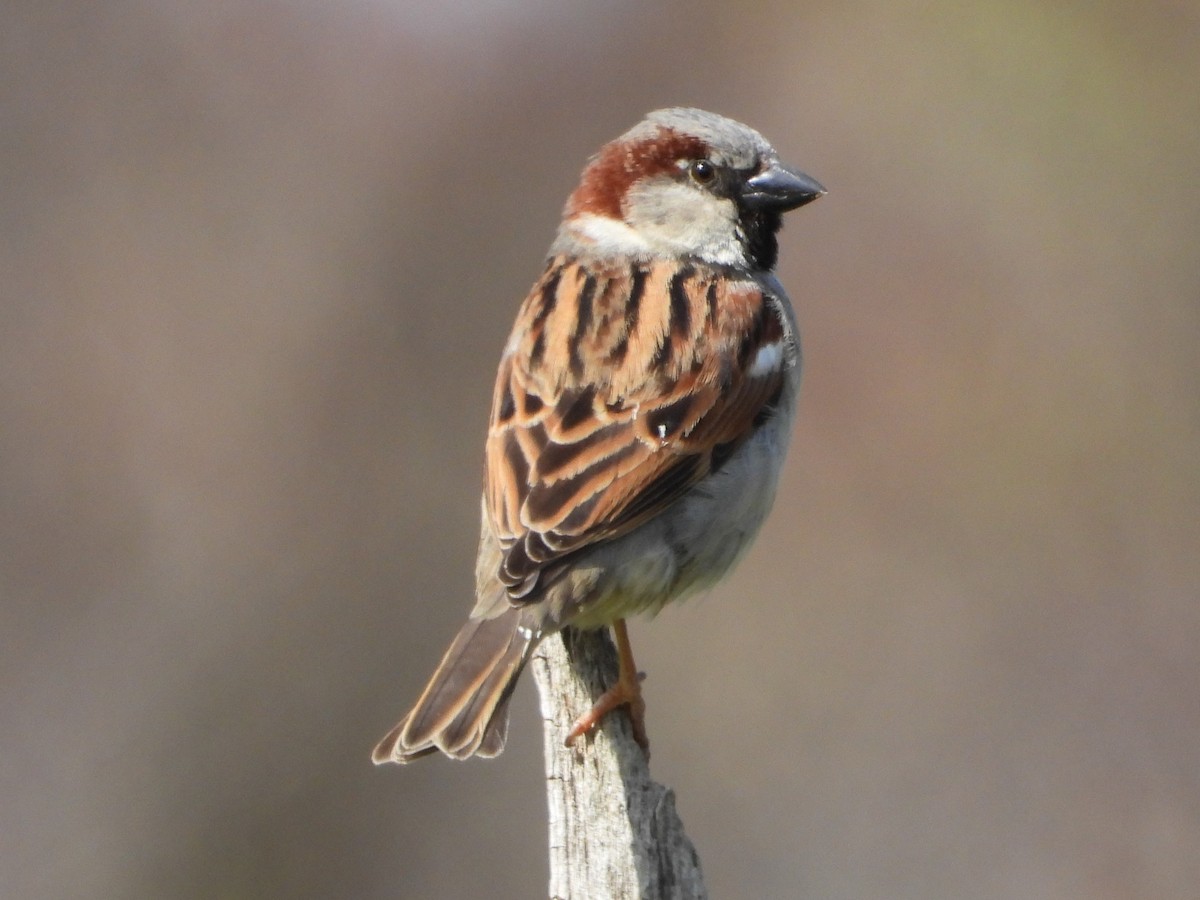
<point>626,692</point>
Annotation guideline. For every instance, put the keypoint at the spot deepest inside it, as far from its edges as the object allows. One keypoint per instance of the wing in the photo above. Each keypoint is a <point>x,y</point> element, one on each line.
<point>621,388</point>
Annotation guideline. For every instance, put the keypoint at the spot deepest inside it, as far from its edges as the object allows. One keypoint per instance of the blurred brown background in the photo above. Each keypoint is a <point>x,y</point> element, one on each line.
<point>258,261</point>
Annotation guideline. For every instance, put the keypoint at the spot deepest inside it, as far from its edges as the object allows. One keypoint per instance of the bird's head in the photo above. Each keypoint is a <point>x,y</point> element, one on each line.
<point>685,183</point>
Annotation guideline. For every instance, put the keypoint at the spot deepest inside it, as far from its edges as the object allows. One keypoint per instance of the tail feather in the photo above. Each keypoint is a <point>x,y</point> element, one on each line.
<point>496,733</point>
<point>484,716</point>
<point>463,711</point>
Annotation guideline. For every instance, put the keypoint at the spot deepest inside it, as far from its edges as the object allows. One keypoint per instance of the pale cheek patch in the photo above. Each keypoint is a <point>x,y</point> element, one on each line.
<point>767,360</point>
<point>610,236</point>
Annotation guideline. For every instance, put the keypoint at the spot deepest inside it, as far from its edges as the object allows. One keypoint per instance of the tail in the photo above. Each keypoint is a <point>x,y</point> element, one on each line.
<point>464,709</point>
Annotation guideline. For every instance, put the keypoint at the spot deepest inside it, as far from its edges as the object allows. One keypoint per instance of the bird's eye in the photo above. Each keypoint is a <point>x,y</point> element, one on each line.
<point>702,171</point>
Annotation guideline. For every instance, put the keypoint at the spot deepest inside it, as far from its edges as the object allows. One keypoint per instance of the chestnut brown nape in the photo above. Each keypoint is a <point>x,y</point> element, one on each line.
<point>619,164</point>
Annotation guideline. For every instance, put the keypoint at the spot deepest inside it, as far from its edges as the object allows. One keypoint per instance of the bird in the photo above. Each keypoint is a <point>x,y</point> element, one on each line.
<point>641,414</point>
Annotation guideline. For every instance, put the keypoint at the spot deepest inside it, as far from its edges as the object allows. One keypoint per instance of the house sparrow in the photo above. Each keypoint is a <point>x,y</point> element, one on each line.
<point>641,414</point>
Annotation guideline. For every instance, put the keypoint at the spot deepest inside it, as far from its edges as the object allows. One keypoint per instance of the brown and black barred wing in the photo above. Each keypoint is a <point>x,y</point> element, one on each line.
<point>619,390</point>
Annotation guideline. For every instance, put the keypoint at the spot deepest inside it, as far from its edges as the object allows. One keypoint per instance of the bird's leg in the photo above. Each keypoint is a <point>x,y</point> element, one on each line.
<point>626,692</point>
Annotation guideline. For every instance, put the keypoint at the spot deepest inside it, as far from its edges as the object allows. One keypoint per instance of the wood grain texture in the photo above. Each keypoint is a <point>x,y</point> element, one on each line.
<point>614,832</point>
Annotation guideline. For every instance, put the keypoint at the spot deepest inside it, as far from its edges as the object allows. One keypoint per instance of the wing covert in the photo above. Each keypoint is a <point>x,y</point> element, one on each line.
<point>619,390</point>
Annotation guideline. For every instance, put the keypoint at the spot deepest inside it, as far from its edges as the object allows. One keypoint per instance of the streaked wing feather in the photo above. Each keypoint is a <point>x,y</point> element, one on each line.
<point>620,390</point>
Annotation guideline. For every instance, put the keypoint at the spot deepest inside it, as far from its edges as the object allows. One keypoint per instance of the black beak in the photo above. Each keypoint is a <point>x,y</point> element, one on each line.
<point>778,188</point>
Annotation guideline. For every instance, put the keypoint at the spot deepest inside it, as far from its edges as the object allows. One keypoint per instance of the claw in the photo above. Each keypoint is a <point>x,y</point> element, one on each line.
<point>626,692</point>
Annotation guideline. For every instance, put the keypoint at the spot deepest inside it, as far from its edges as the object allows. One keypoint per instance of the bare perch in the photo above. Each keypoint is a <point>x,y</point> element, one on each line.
<point>613,831</point>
